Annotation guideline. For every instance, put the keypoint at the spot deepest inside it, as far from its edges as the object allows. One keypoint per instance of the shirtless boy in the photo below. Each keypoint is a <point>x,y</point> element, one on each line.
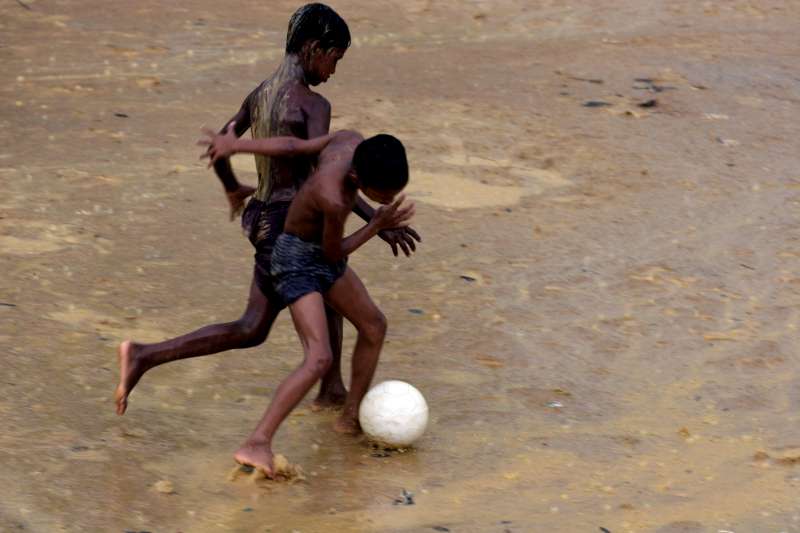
<point>283,104</point>
<point>309,265</point>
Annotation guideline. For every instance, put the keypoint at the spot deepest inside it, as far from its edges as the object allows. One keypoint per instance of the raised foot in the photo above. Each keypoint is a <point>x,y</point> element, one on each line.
<point>130,370</point>
<point>347,425</point>
<point>257,455</point>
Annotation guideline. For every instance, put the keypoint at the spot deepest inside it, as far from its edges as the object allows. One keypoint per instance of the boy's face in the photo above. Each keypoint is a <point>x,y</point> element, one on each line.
<point>378,195</point>
<point>322,64</point>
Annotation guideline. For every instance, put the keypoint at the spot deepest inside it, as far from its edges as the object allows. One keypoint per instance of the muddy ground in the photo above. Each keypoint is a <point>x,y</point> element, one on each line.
<point>603,315</point>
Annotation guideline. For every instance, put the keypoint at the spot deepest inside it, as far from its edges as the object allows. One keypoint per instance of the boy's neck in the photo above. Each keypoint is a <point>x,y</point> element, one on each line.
<point>291,69</point>
<point>350,185</point>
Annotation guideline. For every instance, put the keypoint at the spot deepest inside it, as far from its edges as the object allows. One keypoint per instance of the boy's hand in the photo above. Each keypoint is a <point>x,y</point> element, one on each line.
<point>219,144</point>
<point>402,237</point>
<point>236,199</point>
<point>393,216</point>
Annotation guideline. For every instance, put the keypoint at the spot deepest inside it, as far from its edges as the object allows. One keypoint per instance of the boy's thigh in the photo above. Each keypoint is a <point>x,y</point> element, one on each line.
<point>350,298</point>
<point>310,320</point>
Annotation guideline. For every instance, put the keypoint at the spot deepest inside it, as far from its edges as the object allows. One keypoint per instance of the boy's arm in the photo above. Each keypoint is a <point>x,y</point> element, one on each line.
<point>402,237</point>
<point>223,145</point>
<point>235,191</point>
<point>387,216</point>
<point>222,166</point>
<point>318,117</point>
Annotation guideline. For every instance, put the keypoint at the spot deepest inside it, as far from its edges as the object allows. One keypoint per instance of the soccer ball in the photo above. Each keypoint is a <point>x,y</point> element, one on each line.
<point>394,414</point>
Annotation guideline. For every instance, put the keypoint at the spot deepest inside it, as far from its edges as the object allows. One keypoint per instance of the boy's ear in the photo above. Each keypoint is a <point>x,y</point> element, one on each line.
<point>311,47</point>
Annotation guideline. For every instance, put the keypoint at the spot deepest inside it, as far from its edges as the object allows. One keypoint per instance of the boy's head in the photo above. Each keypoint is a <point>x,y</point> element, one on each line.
<point>380,167</point>
<point>320,37</point>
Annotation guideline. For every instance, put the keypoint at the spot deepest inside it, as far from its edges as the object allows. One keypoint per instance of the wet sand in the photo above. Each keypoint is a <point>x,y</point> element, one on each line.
<point>603,315</point>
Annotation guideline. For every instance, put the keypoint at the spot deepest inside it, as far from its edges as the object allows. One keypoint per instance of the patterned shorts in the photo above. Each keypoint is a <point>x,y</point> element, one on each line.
<point>299,268</point>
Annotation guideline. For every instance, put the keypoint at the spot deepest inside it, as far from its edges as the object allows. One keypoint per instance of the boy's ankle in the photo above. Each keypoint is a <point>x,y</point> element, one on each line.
<point>258,442</point>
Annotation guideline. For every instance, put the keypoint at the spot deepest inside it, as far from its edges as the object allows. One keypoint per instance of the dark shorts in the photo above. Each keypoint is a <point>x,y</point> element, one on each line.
<point>300,268</point>
<point>262,223</point>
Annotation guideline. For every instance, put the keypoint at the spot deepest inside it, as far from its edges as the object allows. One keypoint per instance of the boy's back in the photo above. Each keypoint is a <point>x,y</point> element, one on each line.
<point>326,192</point>
<point>281,106</point>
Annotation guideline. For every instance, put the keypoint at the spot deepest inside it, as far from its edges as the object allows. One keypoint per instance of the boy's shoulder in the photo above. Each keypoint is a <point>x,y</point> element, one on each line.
<point>345,136</point>
<point>326,196</point>
<point>295,89</point>
<point>338,155</point>
<point>312,100</point>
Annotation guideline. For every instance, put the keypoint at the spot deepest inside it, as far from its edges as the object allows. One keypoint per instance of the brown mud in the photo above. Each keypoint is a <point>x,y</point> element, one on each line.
<point>603,315</point>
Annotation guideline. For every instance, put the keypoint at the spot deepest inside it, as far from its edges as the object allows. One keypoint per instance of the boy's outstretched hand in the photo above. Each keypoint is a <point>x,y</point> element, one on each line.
<point>219,144</point>
<point>401,237</point>
<point>394,215</point>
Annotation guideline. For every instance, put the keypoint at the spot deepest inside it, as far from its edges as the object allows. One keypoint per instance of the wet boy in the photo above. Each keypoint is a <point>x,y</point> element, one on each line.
<point>283,104</point>
<point>309,263</point>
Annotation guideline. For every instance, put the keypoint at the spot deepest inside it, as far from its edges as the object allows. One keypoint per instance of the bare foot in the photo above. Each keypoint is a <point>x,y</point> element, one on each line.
<point>258,455</point>
<point>130,370</point>
<point>347,425</point>
<point>329,400</point>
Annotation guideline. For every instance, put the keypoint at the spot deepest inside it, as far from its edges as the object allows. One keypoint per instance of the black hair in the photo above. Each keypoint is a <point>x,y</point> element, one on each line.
<point>380,163</point>
<point>316,22</point>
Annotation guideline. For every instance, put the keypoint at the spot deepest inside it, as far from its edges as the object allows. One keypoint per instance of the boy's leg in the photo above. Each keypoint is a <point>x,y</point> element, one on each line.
<point>250,330</point>
<point>350,298</point>
<point>332,391</point>
<point>308,314</point>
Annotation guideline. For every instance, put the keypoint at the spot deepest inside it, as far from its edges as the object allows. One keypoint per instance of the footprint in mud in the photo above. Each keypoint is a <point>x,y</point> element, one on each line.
<point>284,471</point>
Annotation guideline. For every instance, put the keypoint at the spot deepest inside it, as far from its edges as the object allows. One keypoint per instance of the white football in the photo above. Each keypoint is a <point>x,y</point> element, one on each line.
<point>393,413</point>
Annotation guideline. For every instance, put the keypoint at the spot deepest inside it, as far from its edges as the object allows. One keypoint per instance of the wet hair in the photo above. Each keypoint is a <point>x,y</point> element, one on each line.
<point>380,163</point>
<point>316,22</point>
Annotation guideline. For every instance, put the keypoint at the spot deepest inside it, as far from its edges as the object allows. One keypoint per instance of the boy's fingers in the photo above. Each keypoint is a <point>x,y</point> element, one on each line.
<point>409,241</point>
<point>397,202</point>
<point>404,246</point>
<point>414,234</point>
<point>401,212</point>
<point>394,247</point>
<point>204,142</point>
<point>406,213</point>
<point>208,131</point>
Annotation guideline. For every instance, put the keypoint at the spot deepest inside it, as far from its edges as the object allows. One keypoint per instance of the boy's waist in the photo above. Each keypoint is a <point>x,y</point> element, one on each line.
<point>290,241</point>
<point>292,252</point>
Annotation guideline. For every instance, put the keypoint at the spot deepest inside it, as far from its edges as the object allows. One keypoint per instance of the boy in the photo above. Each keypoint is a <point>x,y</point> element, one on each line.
<point>309,263</point>
<point>283,104</point>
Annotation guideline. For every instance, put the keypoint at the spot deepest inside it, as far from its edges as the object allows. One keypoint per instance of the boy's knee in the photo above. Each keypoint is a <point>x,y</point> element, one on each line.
<point>375,328</point>
<point>319,360</point>
<point>251,332</point>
